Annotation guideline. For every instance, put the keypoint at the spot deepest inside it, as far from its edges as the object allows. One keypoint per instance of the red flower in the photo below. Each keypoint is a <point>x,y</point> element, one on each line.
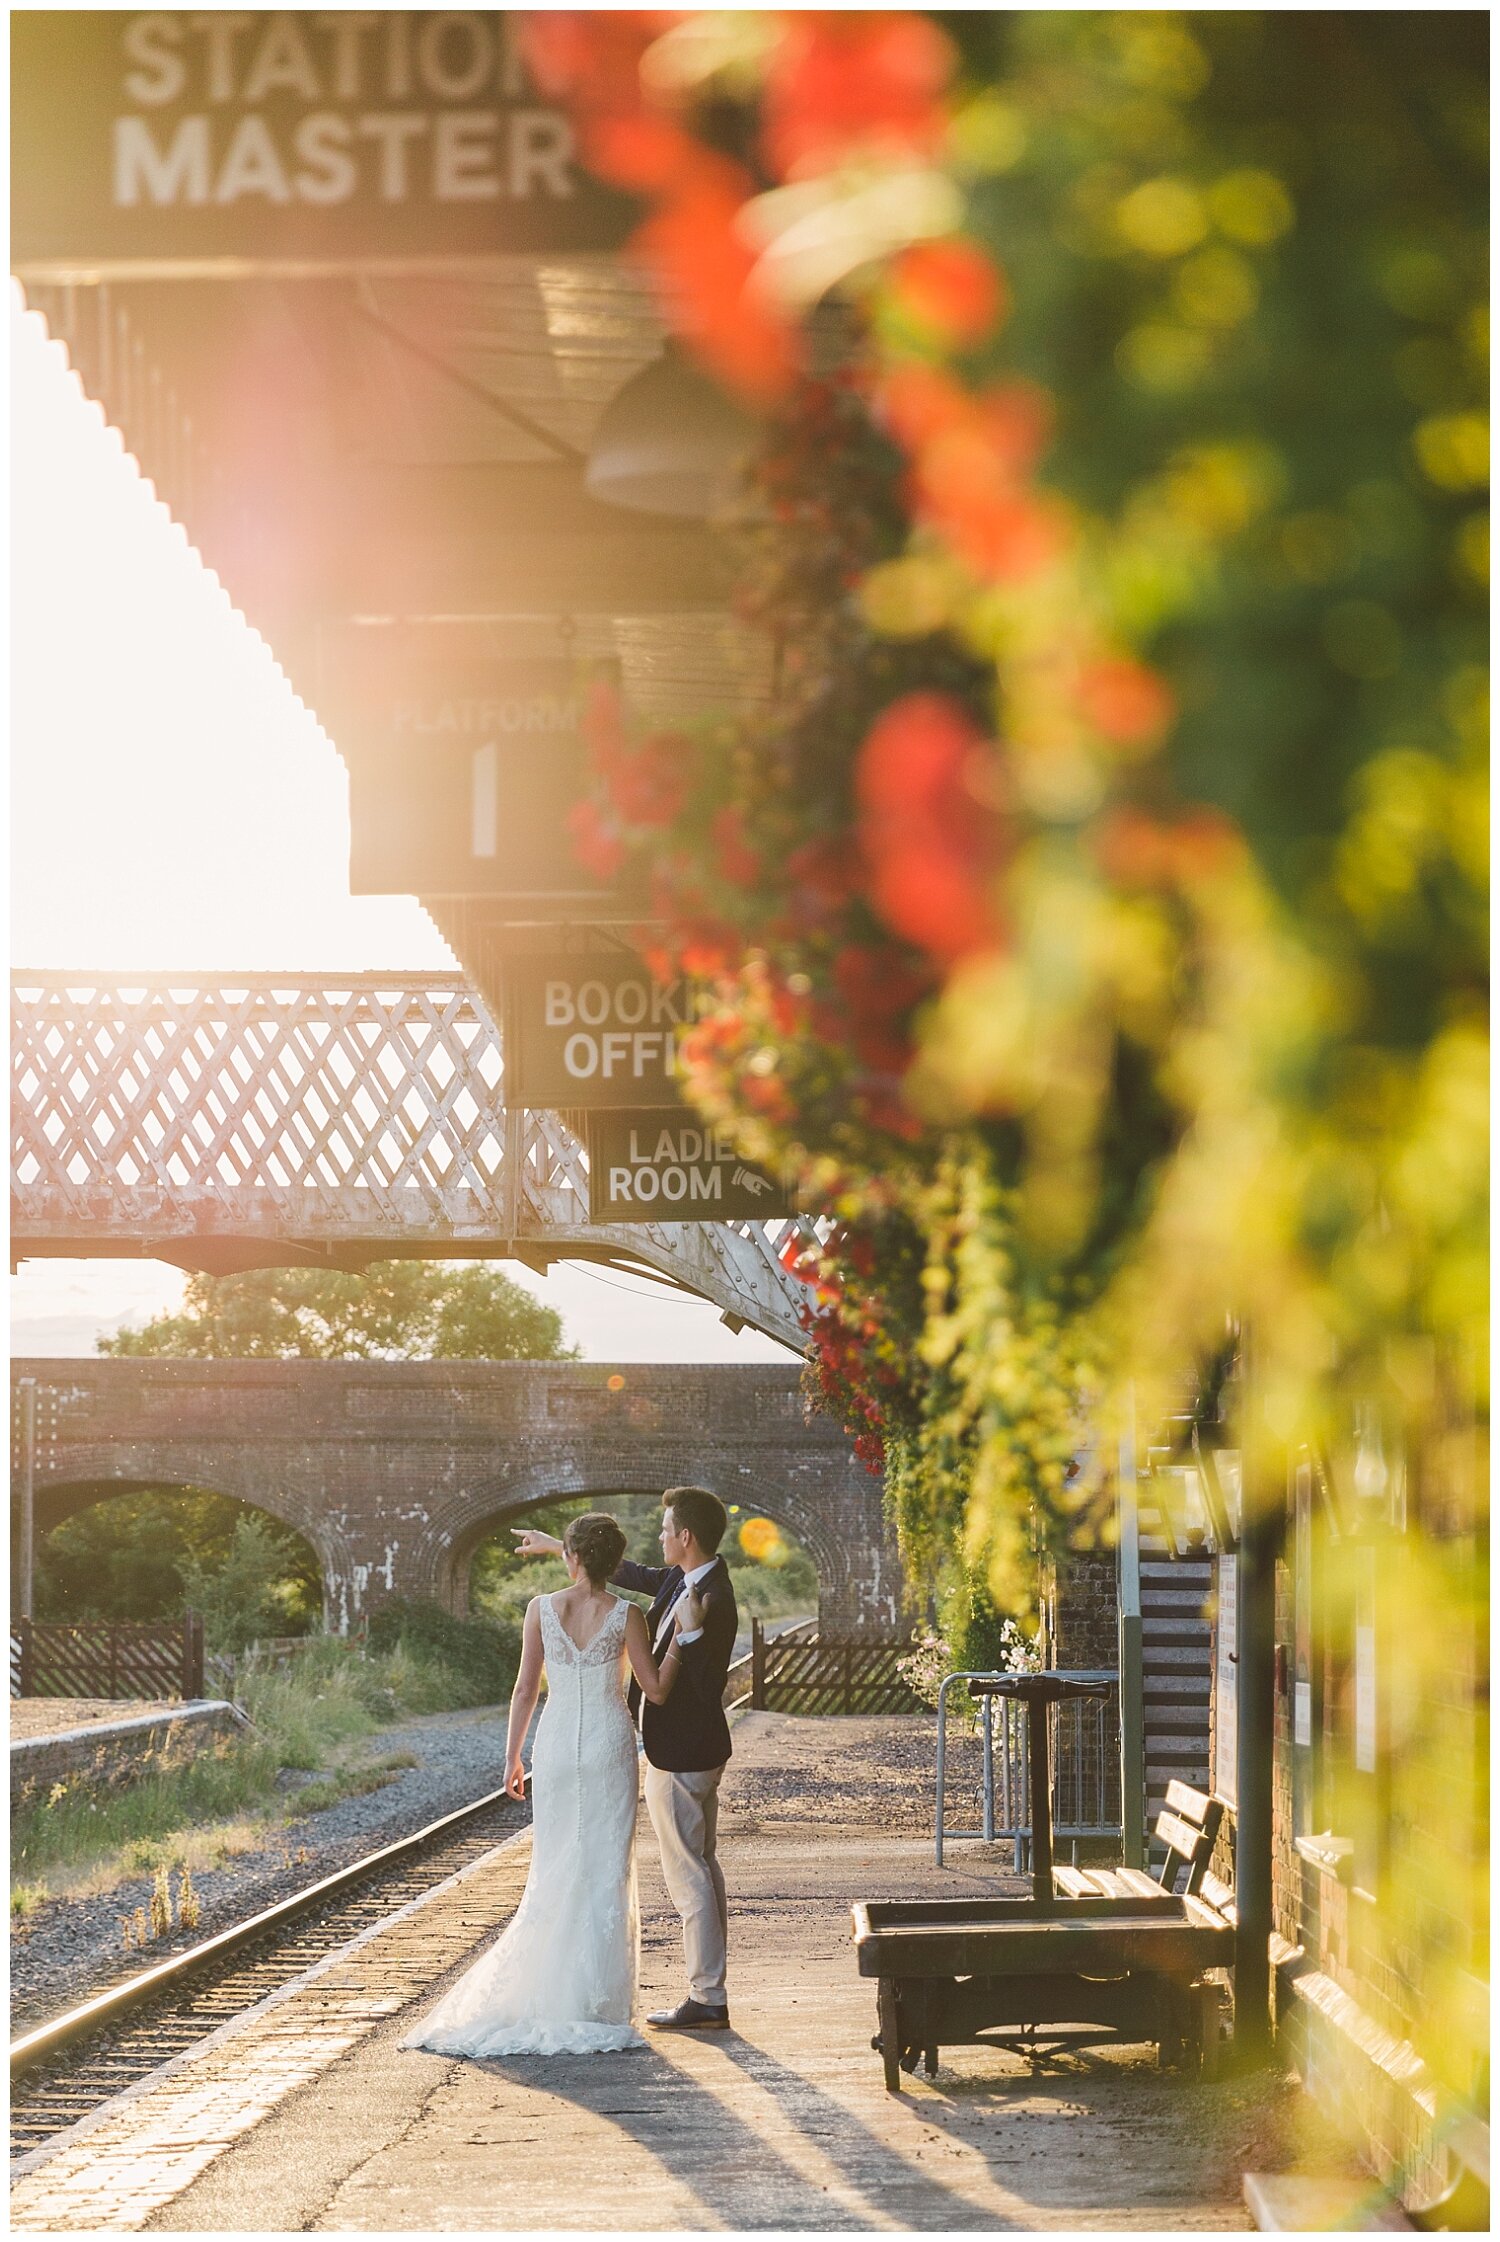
<point>596,844</point>
<point>1127,702</point>
<point>971,457</point>
<point>934,845</point>
<point>702,268</point>
<point>829,867</point>
<point>649,784</point>
<point>951,290</point>
<point>867,79</point>
<point>739,863</point>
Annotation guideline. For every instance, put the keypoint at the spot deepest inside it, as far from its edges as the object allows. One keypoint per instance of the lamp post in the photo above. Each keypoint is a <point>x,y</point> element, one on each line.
<point>26,1494</point>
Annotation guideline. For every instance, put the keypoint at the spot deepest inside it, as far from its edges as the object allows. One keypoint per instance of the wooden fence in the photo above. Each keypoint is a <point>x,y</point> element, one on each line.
<point>269,1653</point>
<point>98,1659</point>
<point>800,1671</point>
<point>739,1681</point>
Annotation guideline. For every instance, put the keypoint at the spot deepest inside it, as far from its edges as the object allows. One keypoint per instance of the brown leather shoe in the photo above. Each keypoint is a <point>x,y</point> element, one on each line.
<point>690,2016</point>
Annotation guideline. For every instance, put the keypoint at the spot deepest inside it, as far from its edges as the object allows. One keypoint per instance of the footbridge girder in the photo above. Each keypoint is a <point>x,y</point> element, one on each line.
<point>278,1119</point>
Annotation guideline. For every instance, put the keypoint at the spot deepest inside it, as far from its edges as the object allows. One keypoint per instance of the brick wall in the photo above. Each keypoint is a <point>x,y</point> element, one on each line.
<point>107,1755</point>
<point>395,1472</point>
<point>1361,1961</point>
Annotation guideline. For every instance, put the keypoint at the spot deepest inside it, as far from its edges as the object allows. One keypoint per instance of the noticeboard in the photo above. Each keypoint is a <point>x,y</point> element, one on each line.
<point>593,1030</point>
<point>280,140</point>
<point>670,1167</point>
<point>463,769</point>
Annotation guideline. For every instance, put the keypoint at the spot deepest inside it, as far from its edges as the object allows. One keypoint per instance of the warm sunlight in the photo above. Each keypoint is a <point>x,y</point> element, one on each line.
<point>174,805</point>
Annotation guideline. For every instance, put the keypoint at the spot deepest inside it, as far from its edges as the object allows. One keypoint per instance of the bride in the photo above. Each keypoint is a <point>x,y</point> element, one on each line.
<point>561,1979</point>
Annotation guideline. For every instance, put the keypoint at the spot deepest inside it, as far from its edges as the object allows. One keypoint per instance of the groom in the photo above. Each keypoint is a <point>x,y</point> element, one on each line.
<point>686,1739</point>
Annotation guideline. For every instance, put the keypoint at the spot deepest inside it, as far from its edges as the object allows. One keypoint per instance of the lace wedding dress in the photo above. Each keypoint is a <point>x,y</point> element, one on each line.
<point>561,1979</point>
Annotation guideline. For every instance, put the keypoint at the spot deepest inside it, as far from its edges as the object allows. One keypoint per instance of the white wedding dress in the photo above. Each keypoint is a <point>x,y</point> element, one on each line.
<point>561,1978</point>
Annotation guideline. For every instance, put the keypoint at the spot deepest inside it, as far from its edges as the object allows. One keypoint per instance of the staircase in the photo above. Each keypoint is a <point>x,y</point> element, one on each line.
<point>1176,1663</point>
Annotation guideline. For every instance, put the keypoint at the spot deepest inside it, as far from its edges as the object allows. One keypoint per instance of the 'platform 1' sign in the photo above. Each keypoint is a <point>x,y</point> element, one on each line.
<point>592,1029</point>
<point>668,1167</point>
<point>322,140</point>
<point>462,772</point>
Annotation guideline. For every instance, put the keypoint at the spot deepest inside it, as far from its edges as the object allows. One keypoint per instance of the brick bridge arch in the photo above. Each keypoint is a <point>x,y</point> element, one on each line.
<point>394,1472</point>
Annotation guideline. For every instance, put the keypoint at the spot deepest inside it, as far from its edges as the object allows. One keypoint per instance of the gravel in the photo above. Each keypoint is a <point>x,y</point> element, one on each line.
<point>68,1949</point>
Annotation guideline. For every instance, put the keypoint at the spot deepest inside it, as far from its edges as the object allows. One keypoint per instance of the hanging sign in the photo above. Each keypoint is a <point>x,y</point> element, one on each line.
<point>592,1029</point>
<point>165,143</point>
<point>462,770</point>
<point>669,1167</point>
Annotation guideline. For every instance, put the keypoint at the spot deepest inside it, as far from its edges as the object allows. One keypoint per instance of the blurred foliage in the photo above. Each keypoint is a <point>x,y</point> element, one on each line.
<point>240,1594</point>
<point>129,1556</point>
<point>1102,892</point>
<point>481,1655</point>
<point>1095,918</point>
<point>404,1311</point>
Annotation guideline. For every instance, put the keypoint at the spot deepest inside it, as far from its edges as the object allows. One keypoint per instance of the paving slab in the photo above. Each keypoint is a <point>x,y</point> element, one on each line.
<point>310,2118</point>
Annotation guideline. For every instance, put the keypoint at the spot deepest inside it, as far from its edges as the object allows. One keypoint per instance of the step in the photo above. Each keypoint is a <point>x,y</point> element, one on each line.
<point>1188,1601</point>
<point>1174,1657</point>
<point>1163,1744</point>
<point>1175,1688</point>
<point>1177,1720</point>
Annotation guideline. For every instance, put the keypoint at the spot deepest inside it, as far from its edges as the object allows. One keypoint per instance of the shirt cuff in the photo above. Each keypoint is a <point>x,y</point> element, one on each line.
<point>688,1635</point>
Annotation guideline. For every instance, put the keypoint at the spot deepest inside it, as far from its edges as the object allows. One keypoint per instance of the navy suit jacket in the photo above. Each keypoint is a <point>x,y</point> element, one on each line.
<point>688,1734</point>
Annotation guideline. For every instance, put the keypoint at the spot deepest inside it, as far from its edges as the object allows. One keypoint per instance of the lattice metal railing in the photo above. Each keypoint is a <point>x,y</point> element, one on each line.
<point>279,1118</point>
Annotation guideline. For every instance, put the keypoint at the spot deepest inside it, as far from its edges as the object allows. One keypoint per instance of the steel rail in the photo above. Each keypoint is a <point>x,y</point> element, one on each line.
<point>37,2047</point>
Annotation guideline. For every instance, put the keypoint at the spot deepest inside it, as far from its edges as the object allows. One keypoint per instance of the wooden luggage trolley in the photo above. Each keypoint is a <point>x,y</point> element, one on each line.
<point>1093,1953</point>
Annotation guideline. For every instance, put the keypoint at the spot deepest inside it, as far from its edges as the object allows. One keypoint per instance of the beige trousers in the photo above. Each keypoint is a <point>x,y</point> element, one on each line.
<point>684,1812</point>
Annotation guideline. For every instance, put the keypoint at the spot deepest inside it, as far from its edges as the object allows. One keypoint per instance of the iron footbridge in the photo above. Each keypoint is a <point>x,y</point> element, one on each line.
<point>281,1119</point>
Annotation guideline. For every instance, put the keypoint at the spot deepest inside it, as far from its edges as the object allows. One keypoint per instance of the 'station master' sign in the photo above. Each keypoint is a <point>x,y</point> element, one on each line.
<point>320,139</point>
<point>670,1167</point>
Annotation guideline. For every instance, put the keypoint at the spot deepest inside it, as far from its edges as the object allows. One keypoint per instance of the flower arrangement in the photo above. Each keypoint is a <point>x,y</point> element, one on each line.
<point>1098,902</point>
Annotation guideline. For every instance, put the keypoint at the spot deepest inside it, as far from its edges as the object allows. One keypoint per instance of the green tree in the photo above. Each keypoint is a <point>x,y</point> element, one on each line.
<point>124,1558</point>
<point>395,1311</point>
<point>240,1597</point>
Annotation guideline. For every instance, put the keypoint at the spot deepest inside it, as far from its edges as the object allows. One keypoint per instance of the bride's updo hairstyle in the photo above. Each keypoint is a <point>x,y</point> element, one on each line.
<point>598,1542</point>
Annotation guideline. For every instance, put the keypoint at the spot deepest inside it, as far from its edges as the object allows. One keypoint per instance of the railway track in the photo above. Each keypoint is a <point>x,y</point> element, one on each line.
<point>64,2070</point>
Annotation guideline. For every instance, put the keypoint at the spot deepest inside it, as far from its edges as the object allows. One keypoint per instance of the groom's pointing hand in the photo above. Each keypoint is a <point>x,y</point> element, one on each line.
<point>531,1543</point>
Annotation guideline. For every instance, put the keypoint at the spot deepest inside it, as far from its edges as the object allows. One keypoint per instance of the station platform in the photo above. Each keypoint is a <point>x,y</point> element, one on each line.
<point>304,2115</point>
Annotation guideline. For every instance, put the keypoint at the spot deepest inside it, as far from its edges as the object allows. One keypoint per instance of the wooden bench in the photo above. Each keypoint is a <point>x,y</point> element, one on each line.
<point>1114,1953</point>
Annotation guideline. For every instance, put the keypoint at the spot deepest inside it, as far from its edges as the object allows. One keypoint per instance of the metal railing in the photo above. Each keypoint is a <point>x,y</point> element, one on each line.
<point>1084,1757</point>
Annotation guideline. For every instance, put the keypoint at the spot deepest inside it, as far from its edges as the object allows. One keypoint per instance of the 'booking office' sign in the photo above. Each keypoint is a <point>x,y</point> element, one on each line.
<point>317,138</point>
<point>592,1029</point>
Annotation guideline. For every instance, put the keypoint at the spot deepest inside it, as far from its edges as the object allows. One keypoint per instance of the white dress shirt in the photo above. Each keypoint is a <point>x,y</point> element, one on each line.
<point>689,1580</point>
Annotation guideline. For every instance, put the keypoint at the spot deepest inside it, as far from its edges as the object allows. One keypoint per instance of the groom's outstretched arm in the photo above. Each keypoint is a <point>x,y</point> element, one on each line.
<point>646,1580</point>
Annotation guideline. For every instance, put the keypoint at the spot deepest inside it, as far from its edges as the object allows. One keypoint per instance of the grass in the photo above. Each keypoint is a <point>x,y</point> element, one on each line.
<point>200,1813</point>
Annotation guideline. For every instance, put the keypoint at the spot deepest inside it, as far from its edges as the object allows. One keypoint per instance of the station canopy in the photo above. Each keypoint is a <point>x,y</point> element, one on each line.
<point>343,287</point>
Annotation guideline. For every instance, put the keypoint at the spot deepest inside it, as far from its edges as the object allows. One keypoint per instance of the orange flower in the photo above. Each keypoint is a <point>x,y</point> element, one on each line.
<point>971,457</point>
<point>1127,702</point>
<point>951,290</point>
<point>863,80</point>
<point>935,847</point>
<point>702,266</point>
